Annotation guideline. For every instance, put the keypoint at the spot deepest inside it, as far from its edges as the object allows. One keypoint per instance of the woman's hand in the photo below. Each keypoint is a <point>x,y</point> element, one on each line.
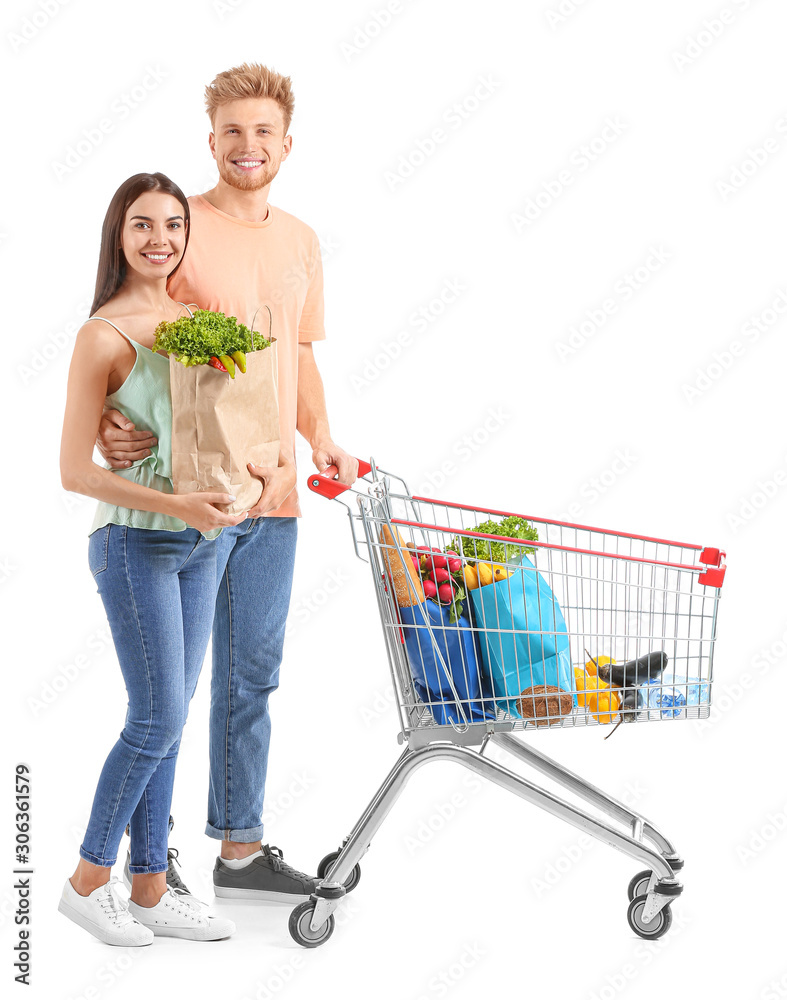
<point>197,510</point>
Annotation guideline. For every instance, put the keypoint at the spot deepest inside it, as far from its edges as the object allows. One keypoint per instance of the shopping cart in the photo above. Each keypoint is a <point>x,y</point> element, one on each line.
<point>629,619</point>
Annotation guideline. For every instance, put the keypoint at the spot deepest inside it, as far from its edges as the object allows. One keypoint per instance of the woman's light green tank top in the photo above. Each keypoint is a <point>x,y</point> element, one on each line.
<point>145,399</point>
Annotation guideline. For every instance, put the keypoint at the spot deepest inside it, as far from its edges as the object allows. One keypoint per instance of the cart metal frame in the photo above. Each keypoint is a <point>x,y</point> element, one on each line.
<point>651,891</point>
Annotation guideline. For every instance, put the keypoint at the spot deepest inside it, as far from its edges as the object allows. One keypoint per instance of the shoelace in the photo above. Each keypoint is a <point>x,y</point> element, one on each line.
<point>279,864</point>
<point>173,878</point>
<point>190,902</point>
<point>113,905</point>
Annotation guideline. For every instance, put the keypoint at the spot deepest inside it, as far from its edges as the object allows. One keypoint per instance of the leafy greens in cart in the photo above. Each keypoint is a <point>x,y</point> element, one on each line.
<point>194,340</point>
<point>498,552</point>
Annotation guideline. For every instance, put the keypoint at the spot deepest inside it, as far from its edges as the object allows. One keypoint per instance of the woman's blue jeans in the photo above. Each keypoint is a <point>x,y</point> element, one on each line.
<point>159,592</point>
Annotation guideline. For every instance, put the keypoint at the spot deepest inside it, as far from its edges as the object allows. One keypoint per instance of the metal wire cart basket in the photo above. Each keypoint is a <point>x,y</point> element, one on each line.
<point>496,623</point>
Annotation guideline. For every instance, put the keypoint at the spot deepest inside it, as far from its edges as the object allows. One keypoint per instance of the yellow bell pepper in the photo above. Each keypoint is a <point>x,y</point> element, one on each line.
<point>592,667</point>
<point>586,682</point>
<point>603,705</point>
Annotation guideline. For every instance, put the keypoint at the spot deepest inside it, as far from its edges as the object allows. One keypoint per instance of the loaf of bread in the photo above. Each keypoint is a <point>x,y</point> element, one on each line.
<point>545,703</point>
<point>406,581</point>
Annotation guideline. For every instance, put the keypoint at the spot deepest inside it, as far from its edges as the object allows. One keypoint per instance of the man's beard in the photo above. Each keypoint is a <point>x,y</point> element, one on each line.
<point>248,182</point>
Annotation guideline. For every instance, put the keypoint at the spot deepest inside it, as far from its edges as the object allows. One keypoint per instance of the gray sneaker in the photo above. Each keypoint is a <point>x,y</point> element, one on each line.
<point>174,881</point>
<point>173,878</point>
<point>266,877</point>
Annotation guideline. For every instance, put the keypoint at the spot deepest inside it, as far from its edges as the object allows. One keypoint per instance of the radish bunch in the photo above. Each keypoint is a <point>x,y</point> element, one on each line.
<point>441,575</point>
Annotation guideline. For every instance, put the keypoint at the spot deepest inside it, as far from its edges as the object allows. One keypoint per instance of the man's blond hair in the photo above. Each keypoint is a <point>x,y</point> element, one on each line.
<point>250,80</point>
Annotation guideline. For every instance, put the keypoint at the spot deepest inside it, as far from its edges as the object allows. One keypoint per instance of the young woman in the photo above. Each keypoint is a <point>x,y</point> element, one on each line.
<point>153,560</point>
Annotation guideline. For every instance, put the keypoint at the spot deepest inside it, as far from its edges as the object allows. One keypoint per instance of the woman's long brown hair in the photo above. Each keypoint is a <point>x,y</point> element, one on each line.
<point>111,260</point>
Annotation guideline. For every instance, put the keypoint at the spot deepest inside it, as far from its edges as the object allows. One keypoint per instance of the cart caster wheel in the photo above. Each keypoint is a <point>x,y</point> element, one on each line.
<point>638,886</point>
<point>352,879</point>
<point>300,918</point>
<point>658,926</point>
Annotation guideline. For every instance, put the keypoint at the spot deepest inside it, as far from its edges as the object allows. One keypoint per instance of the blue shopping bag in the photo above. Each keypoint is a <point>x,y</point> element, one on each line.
<point>524,642</point>
<point>458,646</point>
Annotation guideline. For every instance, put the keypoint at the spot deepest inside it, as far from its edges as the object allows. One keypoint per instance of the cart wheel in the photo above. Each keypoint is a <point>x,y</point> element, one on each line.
<point>658,926</point>
<point>638,886</point>
<point>352,879</point>
<point>300,918</point>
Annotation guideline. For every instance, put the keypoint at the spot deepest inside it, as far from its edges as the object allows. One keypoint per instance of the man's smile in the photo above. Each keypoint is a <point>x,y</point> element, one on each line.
<point>246,163</point>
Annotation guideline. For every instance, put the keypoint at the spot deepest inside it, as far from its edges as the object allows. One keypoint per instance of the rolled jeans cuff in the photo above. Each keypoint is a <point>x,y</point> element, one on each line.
<point>95,860</point>
<point>241,836</point>
<point>148,869</point>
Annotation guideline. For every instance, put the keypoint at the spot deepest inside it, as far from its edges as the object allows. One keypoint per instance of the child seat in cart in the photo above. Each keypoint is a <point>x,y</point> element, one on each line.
<point>496,624</point>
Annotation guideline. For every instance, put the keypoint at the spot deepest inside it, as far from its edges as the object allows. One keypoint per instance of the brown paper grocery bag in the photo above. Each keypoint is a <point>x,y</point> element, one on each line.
<point>219,424</point>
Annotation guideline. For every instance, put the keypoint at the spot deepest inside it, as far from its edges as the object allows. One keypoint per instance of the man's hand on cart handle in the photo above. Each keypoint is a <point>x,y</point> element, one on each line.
<point>327,454</point>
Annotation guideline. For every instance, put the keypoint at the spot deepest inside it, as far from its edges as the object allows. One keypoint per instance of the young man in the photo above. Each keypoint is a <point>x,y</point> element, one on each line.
<point>244,253</point>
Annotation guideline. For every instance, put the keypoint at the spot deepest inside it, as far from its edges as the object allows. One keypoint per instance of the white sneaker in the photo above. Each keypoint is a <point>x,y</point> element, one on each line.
<point>183,916</point>
<point>104,914</point>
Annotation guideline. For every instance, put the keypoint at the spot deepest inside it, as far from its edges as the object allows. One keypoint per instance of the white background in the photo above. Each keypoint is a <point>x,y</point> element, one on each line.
<point>494,884</point>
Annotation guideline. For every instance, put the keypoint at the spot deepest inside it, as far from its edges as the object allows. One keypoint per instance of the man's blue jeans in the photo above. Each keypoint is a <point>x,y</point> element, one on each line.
<point>158,588</point>
<point>254,569</point>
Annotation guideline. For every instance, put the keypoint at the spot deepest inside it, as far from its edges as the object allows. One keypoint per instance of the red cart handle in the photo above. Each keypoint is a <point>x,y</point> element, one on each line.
<point>325,484</point>
<point>715,558</point>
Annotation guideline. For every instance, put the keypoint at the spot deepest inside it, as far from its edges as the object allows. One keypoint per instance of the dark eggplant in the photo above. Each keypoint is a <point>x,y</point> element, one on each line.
<point>628,709</point>
<point>640,671</point>
<point>629,705</point>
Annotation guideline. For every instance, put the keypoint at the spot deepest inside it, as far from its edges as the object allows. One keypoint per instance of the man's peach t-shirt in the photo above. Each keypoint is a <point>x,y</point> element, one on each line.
<point>233,266</point>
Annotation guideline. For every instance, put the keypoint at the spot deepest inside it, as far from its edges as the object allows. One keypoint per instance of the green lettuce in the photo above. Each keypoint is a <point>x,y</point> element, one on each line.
<point>484,550</point>
<point>194,340</point>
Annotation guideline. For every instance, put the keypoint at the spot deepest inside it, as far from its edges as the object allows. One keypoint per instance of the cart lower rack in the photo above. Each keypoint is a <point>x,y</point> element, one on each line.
<point>496,623</point>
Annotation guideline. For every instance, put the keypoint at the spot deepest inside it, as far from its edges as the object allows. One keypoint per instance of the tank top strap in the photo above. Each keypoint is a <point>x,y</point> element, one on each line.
<point>117,328</point>
<point>105,320</point>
